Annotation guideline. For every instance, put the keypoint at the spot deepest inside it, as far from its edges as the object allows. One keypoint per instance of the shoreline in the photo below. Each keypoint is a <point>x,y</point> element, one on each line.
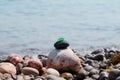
<point>37,51</point>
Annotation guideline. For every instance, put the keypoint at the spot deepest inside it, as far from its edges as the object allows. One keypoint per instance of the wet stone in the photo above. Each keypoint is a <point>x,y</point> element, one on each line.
<point>88,61</point>
<point>61,44</point>
<point>99,57</point>
<point>81,74</point>
<point>114,74</point>
<point>103,75</point>
<point>98,51</point>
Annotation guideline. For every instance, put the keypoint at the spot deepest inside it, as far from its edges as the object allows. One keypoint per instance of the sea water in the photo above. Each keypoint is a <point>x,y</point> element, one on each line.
<point>28,25</point>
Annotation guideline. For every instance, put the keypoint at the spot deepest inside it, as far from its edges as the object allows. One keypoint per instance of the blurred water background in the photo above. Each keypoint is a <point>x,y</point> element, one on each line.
<point>35,25</point>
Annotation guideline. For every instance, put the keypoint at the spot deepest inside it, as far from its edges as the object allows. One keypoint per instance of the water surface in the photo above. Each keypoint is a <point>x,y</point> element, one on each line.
<point>32,25</point>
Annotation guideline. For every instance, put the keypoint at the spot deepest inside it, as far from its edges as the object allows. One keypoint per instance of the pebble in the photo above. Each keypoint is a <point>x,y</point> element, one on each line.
<point>19,67</point>
<point>35,63</point>
<point>61,44</point>
<point>6,67</point>
<point>113,74</point>
<point>67,76</point>
<point>103,76</point>
<point>29,71</point>
<point>51,71</point>
<point>20,77</point>
<point>15,58</point>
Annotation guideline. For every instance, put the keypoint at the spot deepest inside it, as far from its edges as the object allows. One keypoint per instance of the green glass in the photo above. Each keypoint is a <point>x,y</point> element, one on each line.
<point>60,39</point>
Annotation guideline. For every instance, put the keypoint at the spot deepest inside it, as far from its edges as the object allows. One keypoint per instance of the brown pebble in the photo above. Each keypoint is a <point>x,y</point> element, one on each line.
<point>19,67</point>
<point>29,70</point>
<point>35,63</point>
<point>15,58</point>
<point>6,67</point>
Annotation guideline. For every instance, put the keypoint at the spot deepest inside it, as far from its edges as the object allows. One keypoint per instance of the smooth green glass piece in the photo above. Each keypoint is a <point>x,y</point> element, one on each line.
<point>60,39</point>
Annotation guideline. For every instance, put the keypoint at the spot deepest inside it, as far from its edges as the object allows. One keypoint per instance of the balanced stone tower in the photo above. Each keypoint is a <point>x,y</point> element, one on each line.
<point>63,58</point>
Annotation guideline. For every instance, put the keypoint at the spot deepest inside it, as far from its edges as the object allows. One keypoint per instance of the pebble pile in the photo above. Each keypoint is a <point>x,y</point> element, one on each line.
<point>62,63</point>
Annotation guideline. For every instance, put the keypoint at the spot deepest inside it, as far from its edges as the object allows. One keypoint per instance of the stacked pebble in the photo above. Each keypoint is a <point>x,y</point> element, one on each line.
<point>62,63</point>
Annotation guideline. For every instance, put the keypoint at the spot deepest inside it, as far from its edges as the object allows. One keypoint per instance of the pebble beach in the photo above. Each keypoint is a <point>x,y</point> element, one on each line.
<point>62,63</point>
<point>29,28</point>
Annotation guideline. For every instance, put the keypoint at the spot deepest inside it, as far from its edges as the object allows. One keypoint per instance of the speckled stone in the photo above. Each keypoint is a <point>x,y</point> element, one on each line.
<point>64,60</point>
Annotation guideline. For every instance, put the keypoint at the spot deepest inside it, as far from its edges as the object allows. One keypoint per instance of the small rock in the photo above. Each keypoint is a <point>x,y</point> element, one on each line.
<point>51,71</point>
<point>88,67</point>
<point>29,71</point>
<point>113,74</point>
<point>35,63</point>
<point>67,76</point>
<point>28,77</point>
<point>15,58</point>
<point>19,66</point>
<point>99,51</point>
<point>20,77</point>
<point>95,76</point>
<point>6,67</point>
<point>93,72</point>
<point>44,62</point>
<point>99,57</point>
<point>81,74</point>
<point>103,76</point>
<point>102,65</point>
<point>61,44</point>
